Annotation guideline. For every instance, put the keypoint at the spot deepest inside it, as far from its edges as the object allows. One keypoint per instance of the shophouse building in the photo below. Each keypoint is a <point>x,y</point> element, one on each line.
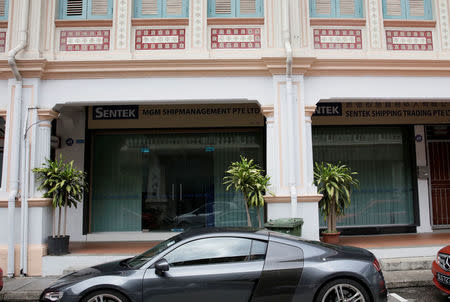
<point>154,99</point>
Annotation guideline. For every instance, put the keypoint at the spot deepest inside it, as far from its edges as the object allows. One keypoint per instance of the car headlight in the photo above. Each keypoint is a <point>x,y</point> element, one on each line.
<point>53,296</point>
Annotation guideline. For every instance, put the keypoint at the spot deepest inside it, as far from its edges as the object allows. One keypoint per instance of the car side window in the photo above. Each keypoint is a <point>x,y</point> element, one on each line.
<point>214,250</point>
<point>258,251</point>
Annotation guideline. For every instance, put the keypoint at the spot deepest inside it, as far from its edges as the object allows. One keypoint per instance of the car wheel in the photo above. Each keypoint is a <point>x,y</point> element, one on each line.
<point>342,290</point>
<point>105,296</point>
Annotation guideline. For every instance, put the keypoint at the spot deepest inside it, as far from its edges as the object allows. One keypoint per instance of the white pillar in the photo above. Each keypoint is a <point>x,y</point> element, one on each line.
<point>310,188</point>
<point>422,183</point>
<point>271,147</point>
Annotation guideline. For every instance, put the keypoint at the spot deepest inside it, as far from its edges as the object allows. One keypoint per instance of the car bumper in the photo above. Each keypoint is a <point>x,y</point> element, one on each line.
<point>435,268</point>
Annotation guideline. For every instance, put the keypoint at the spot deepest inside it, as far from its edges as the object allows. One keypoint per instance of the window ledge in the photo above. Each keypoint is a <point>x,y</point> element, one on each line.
<point>235,21</point>
<point>409,23</point>
<point>337,22</point>
<point>3,24</point>
<point>83,23</point>
<point>160,21</point>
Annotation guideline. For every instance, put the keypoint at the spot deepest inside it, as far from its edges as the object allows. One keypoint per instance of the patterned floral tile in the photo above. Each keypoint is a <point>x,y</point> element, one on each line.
<point>84,40</point>
<point>160,39</point>
<point>235,38</point>
<point>337,38</point>
<point>409,40</point>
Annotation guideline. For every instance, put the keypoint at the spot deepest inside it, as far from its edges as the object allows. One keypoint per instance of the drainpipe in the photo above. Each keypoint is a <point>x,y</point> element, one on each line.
<point>15,135</point>
<point>290,102</point>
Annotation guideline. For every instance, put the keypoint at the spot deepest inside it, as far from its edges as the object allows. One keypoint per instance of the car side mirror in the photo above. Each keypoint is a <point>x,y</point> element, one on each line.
<point>161,266</point>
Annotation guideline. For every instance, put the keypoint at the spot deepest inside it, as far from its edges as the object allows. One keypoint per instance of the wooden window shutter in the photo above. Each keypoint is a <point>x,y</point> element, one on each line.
<point>3,9</point>
<point>100,7</point>
<point>347,8</point>
<point>74,8</point>
<point>321,8</point>
<point>247,7</point>
<point>419,9</point>
<point>174,8</point>
<point>150,8</point>
<point>393,9</point>
<point>223,7</point>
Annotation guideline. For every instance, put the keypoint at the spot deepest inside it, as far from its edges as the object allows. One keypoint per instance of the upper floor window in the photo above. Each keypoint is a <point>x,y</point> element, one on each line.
<point>161,8</point>
<point>235,8</point>
<point>4,10</point>
<point>85,9</point>
<point>407,9</point>
<point>336,8</point>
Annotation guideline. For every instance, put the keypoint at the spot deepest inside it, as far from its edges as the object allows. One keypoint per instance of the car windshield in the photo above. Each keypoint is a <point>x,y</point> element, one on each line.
<point>140,260</point>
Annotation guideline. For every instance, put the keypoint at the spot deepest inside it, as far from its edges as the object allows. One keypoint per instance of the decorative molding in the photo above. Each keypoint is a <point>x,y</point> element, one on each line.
<point>329,38</point>
<point>122,24</point>
<point>235,21</point>
<point>235,38</point>
<point>160,38</point>
<point>197,24</point>
<point>32,203</point>
<point>3,113</point>
<point>83,23</point>
<point>336,22</point>
<point>405,40</point>
<point>309,110</point>
<point>47,114</point>
<point>374,24</point>
<point>409,23</point>
<point>268,111</point>
<point>160,22</point>
<point>287,199</point>
<point>2,40</point>
<point>444,23</point>
<point>84,40</point>
<point>3,24</point>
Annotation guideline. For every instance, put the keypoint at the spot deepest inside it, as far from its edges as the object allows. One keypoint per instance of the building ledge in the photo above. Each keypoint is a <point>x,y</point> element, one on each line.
<point>3,24</point>
<point>235,21</point>
<point>160,22</point>
<point>337,22</point>
<point>83,23</point>
<point>409,23</point>
<point>32,203</point>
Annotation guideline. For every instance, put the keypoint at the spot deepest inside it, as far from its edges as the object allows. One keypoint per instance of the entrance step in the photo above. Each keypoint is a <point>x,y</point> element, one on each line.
<point>406,264</point>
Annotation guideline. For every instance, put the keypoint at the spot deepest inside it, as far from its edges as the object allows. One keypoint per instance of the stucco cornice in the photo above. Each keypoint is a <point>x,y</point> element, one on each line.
<point>266,66</point>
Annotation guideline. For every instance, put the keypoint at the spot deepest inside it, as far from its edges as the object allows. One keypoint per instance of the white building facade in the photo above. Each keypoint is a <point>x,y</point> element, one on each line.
<point>154,99</point>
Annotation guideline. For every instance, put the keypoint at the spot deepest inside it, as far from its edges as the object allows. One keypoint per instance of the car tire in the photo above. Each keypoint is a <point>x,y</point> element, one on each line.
<point>107,295</point>
<point>340,289</point>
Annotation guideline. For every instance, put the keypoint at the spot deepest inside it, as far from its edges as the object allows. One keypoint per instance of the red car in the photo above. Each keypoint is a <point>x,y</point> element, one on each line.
<point>441,270</point>
<point>1,279</point>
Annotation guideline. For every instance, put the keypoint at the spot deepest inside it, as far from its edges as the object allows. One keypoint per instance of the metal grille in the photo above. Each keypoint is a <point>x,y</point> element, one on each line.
<point>444,261</point>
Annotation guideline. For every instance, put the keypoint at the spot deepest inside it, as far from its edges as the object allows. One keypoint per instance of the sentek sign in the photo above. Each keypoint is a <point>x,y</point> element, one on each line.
<point>124,112</point>
<point>175,116</point>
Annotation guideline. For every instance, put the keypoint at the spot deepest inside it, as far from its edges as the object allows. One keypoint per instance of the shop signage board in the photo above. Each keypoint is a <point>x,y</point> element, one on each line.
<point>379,113</point>
<point>175,116</point>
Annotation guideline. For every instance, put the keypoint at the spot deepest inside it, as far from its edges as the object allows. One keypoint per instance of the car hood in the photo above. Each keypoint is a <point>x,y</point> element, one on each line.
<point>90,272</point>
<point>445,250</point>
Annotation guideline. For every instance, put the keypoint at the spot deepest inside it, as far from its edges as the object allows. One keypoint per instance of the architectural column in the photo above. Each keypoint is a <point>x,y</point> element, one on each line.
<point>121,30</point>
<point>44,133</point>
<point>198,25</point>
<point>271,157</point>
<point>310,188</point>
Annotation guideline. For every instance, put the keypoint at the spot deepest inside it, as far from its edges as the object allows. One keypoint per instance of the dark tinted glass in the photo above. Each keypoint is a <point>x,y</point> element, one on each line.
<point>258,251</point>
<point>210,250</point>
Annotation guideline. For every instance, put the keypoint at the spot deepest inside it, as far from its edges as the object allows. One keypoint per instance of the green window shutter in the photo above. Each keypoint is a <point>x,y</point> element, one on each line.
<point>4,9</point>
<point>348,8</point>
<point>419,9</point>
<point>100,9</point>
<point>72,9</point>
<point>394,9</point>
<point>148,8</point>
<point>176,8</point>
<point>221,8</point>
<point>322,8</point>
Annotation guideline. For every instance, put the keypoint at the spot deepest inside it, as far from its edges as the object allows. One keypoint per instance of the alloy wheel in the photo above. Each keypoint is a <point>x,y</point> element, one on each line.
<point>343,293</point>
<point>105,298</point>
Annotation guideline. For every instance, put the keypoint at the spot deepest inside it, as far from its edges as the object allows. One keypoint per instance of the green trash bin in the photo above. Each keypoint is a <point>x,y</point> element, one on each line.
<point>291,226</point>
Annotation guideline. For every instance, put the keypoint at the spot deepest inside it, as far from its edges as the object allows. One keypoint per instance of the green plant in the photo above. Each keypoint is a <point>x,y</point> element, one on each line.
<point>334,182</point>
<point>64,184</point>
<point>247,177</point>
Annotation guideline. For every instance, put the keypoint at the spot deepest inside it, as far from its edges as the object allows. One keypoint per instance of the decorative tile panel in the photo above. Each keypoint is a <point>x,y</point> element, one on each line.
<point>122,24</point>
<point>235,38</point>
<point>84,40</point>
<point>337,38</point>
<point>444,18</point>
<point>160,39</point>
<point>2,41</point>
<point>409,40</point>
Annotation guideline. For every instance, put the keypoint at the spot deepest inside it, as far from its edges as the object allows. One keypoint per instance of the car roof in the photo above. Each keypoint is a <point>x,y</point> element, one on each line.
<point>224,231</point>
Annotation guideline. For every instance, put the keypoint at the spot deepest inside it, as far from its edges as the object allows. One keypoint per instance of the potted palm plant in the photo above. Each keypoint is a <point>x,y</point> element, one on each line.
<point>247,177</point>
<point>65,185</point>
<point>334,182</point>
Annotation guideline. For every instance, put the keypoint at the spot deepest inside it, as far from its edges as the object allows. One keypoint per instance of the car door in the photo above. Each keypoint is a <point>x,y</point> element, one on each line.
<point>220,269</point>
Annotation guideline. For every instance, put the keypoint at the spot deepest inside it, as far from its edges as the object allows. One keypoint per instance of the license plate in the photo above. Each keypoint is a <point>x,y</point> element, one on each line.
<point>443,279</point>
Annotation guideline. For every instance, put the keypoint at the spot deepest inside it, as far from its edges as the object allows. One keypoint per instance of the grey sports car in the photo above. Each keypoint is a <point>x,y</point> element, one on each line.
<point>226,264</point>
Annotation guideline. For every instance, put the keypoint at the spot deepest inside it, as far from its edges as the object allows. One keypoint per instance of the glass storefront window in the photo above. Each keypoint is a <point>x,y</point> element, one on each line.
<point>168,181</point>
<point>382,158</point>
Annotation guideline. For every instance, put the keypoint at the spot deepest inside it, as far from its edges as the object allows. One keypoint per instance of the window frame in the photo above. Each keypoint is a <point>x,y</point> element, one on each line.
<point>86,11</point>
<point>335,10</point>
<point>162,10</point>
<point>235,10</point>
<point>427,14</point>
